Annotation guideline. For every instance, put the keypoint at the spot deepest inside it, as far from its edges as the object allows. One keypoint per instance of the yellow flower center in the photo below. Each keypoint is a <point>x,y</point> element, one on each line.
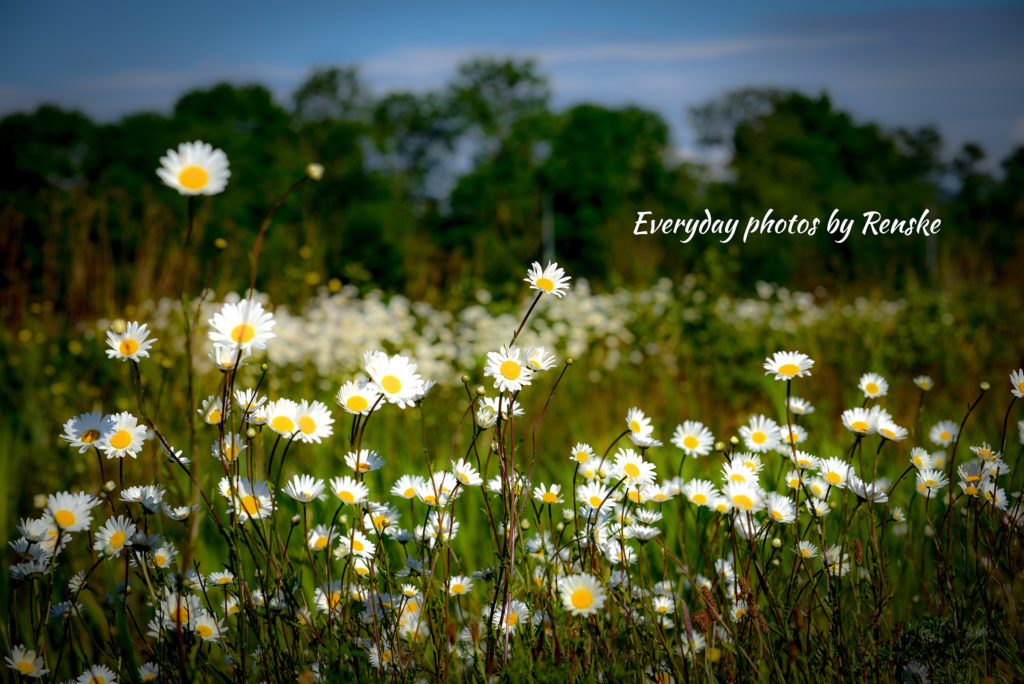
<point>204,630</point>
<point>193,177</point>
<point>362,570</point>
<point>243,333</point>
<point>98,680</point>
<point>117,539</point>
<point>283,424</point>
<point>230,452</point>
<point>743,501</point>
<point>346,496</point>
<point>634,425</point>
<point>582,456</point>
<point>777,515</point>
<point>805,553</point>
<point>214,416</point>
<point>320,543</point>
<point>180,616</point>
<point>944,436</point>
<point>251,505</point>
<point>737,477</point>
<point>549,498</point>
<point>223,580</point>
<point>632,470</point>
<point>25,667</point>
<point>129,347</point>
<point>380,521</point>
<point>699,499</point>
<point>871,388</point>
<point>1020,386</point>
<point>512,619</point>
<point>121,439</point>
<point>409,493</point>
<point>89,436</point>
<point>545,284</point>
<point>65,518</point>
<point>971,490</point>
<point>509,369</point>
<point>357,545</point>
<point>789,369</point>
<point>391,384</point>
<point>690,442</point>
<point>595,501</point>
<point>582,598</point>
<point>357,403</point>
<point>160,560</point>
<point>385,656</point>
<point>759,437</point>
<point>859,426</point>
<point>307,425</point>
<point>833,478</point>
<point>930,483</point>
<point>888,433</point>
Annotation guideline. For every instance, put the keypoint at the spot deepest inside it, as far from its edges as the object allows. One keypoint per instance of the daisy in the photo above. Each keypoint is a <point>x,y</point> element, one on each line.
<point>305,488</point>
<point>858,421</point>
<point>736,471</point>
<point>550,279</point>
<point>985,452</point>
<point>283,416</point>
<point>328,599</point>
<point>594,495</point>
<point>97,674</point>
<point>248,401</point>
<point>252,499</point>
<point>806,549</point>
<point>195,168</point>
<point>364,461</point>
<point>632,467</point>
<point>71,512</point>
<point>835,471</point>
<point>924,382</point>
<point>643,441</point>
<point>358,398</point>
<point>873,385</point>
<point>381,518</point>
<point>134,343</point>
<point>818,508</point>
<point>745,497</point>
<point>581,453</point>
<point>406,486</point>
<point>875,492</point>
<point>459,585</point>
<point>26,662</point>
<point>539,359</point>
<point>113,536</point>
<point>794,434</point>
<point>314,421</point>
<point>436,489</point>
<point>149,672</point>
<point>581,594</point>
<point>817,486</point>
<point>395,377</point>
<point>930,481</point>
<point>833,563</point>
<point>228,358</point>
<point>211,410</point>
<point>208,627</point>
<point>892,431</point>
<point>761,434</point>
<point>638,423</point>
<point>943,433</point>
<point>125,438</point>
<point>320,537</point>
<point>693,438</point>
<point>1017,380</point>
<point>466,473</point>
<point>788,365</point>
<point>793,479</point>
<point>229,449</point>
<point>548,494</point>
<point>244,325</point>
<point>509,371</point>
<point>920,458</point>
<point>804,460</point>
<point>349,490</point>
<point>780,508</point>
<point>800,407</point>
<point>179,611</point>
<point>87,430</point>
<point>220,579</point>
<point>356,544</point>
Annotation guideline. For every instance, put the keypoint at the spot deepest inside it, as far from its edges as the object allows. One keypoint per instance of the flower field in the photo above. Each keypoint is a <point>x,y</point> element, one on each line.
<point>679,483</point>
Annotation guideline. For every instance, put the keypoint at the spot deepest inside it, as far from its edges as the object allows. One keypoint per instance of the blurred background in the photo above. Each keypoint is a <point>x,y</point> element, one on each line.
<point>463,142</point>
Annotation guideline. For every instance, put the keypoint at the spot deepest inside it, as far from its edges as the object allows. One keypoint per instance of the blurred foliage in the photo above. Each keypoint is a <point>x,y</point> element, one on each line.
<point>436,193</point>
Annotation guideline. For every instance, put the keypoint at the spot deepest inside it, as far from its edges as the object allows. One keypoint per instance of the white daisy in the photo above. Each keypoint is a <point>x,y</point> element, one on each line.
<point>364,461</point>
<point>87,430</point>
<point>305,488</point>
<point>873,385</point>
<point>395,377</point>
<point>195,168</point>
<point>314,421</point>
<point>581,594</point>
<point>114,535</point>
<point>282,416</point>
<point>693,438</point>
<point>1017,382</point>
<point>761,434</point>
<point>134,343</point>
<point>943,433</point>
<point>550,279</point>
<point>244,325</point>
<point>71,512</point>
<point>788,365</point>
<point>508,369</point>
<point>126,438</point>
<point>358,398</point>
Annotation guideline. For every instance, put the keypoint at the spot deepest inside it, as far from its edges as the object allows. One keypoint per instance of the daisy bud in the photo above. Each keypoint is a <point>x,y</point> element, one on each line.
<point>719,446</point>
<point>569,361</point>
<point>985,387</point>
<point>734,440</point>
<point>776,543</point>
<point>524,524</point>
<point>39,501</point>
<point>465,379</point>
<point>109,486</point>
<point>250,433</point>
<point>264,367</point>
<point>568,515</point>
<point>343,519</point>
<point>118,325</point>
<point>775,562</point>
<point>481,391</point>
<point>315,171</point>
<point>559,527</point>
<point>296,519</point>
<point>220,243</point>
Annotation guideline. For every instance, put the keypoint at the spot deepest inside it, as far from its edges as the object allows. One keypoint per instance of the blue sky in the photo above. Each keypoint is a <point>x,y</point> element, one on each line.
<point>955,64</point>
